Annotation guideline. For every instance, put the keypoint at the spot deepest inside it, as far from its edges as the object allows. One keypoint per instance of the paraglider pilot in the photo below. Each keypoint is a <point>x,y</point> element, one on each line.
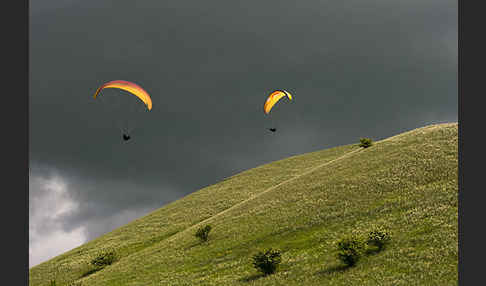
<point>131,87</point>
<point>272,99</point>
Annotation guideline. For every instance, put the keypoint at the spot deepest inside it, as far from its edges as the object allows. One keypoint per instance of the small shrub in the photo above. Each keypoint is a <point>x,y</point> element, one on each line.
<point>267,261</point>
<point>104,258</point>
<point>365,142</point>
<point>203,232</point>
<point>350,250</point>
<point>378,238</point>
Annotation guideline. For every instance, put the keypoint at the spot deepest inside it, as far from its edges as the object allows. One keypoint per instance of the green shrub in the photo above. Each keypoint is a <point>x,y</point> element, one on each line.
<point>365,142</point>
<point>203,232</point>
<point>104,258</point>
<point>350,250</point>
<point>378,238</point>
<point>267,261</point>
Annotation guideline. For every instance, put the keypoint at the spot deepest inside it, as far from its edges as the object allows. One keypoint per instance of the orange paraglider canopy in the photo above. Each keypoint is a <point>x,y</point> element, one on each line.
<point>273,98</point>
<point>130,87</point>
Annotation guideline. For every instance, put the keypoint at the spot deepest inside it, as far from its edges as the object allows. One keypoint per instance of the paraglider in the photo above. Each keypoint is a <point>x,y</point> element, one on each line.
<point>272,99</point>
<point>133,89</point>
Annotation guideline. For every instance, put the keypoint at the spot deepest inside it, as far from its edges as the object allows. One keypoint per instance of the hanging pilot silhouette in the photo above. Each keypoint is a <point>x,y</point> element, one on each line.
<point>272,99</point>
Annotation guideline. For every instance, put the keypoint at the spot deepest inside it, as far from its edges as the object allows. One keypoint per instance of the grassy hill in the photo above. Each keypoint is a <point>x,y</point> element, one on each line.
<point>301,205</point>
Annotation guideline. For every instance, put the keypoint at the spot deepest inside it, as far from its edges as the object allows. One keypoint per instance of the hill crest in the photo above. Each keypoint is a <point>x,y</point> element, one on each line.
<point>292,203</point>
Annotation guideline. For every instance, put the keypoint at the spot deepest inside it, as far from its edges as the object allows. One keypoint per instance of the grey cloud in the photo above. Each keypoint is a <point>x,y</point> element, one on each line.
<point>50,204</point>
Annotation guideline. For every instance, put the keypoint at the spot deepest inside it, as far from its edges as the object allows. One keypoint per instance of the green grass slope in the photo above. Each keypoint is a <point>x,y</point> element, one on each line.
<point>301,205</point>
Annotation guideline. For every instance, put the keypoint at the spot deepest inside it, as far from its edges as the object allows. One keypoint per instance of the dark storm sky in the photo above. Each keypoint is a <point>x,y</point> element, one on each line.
<point>356,68</point>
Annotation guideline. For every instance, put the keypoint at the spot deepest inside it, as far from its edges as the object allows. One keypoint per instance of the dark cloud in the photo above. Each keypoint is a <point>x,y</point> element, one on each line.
<point>355,68</point>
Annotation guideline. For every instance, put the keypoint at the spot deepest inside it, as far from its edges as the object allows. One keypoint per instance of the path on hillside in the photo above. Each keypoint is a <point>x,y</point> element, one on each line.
<point>263,192</point>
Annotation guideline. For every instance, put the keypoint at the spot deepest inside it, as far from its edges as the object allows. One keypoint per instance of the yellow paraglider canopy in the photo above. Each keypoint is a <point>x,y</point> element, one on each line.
<point>273,98</point>
<point>130,87</point>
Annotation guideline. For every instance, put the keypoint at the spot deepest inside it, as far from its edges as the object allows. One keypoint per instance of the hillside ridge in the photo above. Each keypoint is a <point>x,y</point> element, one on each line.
<point>363,184</point>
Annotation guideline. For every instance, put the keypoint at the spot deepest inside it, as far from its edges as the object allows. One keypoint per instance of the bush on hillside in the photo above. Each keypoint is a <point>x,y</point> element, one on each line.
<point>267,261</point>
<point>203,232</point>
<point>350,250</point>
<point>104,258</point>
<point>365,142</point>
<point>378,238</point>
